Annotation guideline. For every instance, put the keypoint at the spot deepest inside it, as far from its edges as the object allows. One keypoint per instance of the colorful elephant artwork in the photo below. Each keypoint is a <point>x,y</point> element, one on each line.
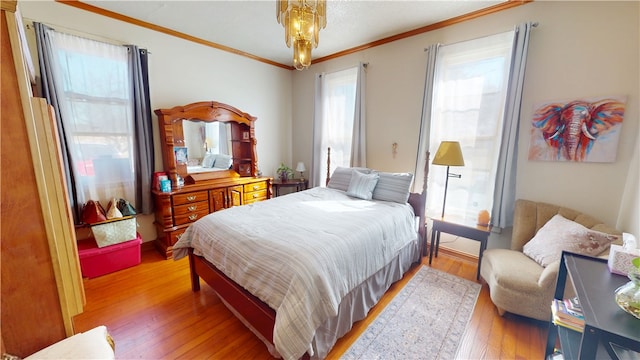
<point>579,130</point>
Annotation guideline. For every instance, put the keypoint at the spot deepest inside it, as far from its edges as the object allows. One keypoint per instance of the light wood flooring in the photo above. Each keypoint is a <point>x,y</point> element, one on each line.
<point>152,313</point>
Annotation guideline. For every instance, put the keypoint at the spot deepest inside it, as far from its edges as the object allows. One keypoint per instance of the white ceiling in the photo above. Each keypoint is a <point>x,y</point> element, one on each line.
<point>251,26</point>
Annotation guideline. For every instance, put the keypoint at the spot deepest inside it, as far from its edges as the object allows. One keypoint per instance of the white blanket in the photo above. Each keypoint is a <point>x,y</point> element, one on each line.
<point>301,253</point>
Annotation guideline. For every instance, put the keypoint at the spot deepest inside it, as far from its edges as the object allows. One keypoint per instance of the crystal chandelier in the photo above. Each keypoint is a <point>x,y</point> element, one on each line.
<point>302,21</point>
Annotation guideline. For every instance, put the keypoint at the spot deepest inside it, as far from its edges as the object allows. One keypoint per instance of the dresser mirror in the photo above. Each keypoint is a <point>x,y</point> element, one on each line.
<point>202,138</point>
<point>207,140</point>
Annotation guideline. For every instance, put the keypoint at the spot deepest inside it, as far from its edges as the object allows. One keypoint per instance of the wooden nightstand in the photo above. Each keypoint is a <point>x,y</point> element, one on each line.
<point>459,228</point>
<point>298,184</point>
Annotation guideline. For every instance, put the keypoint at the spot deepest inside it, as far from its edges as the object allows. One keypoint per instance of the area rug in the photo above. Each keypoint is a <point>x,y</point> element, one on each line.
<point>426,320</point>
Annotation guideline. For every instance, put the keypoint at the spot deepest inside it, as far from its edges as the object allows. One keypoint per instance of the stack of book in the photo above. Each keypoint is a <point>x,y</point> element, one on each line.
<point>567,313</point>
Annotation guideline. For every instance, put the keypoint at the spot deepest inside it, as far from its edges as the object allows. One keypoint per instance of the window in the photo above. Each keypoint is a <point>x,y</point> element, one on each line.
<point>94,93</point>
<point>470,89</point>
<point>338,100</point>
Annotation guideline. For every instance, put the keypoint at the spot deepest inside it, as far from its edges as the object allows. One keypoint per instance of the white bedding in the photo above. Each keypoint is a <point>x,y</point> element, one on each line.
<point>301,253</point>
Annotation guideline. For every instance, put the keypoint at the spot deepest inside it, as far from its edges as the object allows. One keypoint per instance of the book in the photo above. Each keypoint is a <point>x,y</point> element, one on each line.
<point>562,317</point>
<point>572,307</point>
<point>573,304</point>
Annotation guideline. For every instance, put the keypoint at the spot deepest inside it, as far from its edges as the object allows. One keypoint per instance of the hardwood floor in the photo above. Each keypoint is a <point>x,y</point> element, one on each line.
<point>152,313</point>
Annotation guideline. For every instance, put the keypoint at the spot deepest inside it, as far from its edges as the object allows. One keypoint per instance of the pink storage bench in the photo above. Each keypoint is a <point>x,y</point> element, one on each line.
<point>96,261</point>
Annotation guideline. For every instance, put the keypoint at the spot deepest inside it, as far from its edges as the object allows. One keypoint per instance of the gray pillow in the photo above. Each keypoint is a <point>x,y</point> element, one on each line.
<point>223,161</point>
<point>341,177</point>
<point>209,160</point>
<point>393,187</point>
<point>361,185</point>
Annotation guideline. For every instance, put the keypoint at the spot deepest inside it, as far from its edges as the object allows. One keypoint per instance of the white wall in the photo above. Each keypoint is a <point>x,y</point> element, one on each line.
<point>579,50</point>
<point>182,72</point>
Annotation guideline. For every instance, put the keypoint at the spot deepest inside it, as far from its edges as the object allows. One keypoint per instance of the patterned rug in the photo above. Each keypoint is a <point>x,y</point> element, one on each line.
<point>426,320</point>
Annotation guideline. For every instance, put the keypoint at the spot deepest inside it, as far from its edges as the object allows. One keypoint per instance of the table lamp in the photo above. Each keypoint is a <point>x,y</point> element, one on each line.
<point>300,167</point>
<point>449,154</point>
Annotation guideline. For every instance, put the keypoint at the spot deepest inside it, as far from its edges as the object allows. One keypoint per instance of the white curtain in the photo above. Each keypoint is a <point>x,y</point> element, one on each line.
<point>92,81</point>
<point>505,194</point>
<point>339,121</point>
<point>467,105</point>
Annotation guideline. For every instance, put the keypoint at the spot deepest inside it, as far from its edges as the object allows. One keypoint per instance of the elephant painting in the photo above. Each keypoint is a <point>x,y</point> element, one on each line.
<point>571,131</point>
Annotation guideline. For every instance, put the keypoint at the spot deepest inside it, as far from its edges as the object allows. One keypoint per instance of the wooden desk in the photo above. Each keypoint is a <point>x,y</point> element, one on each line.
<point>299,184</point>
<point>459,228</point>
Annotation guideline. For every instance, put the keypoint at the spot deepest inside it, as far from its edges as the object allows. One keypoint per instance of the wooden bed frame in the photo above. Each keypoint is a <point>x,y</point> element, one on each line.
<point>260,316</point>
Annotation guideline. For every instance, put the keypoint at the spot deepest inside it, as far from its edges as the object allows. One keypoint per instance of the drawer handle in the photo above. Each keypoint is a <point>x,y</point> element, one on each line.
<point>191,197</point>
<point>193,217</point>
<point>192,207</point>
<point>256,187</point>
<point>255,196</point>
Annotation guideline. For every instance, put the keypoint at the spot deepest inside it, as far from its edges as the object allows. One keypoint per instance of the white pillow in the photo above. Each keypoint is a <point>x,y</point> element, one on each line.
<point>361,185</point>
<point>223,161</point>
<point>208,160</point>
<point>560,234</point>
<point>393,187</point>
<point>342,176</point>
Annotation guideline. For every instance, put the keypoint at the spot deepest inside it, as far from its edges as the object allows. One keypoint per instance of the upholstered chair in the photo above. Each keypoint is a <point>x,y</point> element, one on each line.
<point>519,284</point>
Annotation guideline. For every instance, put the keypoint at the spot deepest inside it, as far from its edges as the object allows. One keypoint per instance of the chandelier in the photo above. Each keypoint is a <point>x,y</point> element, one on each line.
<point>302,21</point>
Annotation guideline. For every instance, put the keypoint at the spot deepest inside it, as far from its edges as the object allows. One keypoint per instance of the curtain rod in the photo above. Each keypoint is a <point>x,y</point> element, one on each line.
<point>79,33</point>
<point>533,24</point>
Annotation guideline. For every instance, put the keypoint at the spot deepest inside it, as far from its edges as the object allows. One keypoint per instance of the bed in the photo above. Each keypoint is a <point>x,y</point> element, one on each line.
<point>311,263</point>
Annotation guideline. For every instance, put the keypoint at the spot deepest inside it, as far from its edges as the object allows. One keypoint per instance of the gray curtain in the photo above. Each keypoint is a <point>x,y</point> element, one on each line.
<point>505,186</point>
<point>359,140</point>
<point>47,90</point>
<point>420,183</point>
<point>142,127</point>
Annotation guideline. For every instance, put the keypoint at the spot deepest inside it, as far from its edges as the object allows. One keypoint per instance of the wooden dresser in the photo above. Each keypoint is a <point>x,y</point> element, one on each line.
<point>186,128</point>
<point>176,210</point>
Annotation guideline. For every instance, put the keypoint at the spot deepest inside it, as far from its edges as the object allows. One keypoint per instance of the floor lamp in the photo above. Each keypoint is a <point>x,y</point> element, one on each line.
<point>449,154</point>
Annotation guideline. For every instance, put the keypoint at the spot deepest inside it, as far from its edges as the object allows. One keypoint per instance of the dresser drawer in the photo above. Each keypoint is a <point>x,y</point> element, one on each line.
<point>254,196</point>
<point>191,197</point>
<point>175,236</point>
<point>188,213</point>
<point>179,210</point>
<point>189,217</point>
<point>262,185</point>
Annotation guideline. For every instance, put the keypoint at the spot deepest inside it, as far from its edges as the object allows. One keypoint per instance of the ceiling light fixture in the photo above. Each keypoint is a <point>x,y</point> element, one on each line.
<point>302,21</point>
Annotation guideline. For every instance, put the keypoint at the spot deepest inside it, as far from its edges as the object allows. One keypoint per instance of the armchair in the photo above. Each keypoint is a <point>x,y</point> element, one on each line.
<point>519,284</point>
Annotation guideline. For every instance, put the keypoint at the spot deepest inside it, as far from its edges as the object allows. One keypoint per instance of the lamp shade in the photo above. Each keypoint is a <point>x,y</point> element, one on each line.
<point>449,153</point>
<point>300,167</point>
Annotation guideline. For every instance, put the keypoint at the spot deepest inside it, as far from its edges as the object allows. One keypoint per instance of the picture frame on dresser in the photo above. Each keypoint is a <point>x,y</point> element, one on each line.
<point>181,154</point>
<point>244,169</point>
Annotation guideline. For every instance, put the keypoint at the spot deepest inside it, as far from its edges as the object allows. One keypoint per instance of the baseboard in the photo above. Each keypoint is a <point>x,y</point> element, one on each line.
<point>147,245</point>
<point>459,254</point>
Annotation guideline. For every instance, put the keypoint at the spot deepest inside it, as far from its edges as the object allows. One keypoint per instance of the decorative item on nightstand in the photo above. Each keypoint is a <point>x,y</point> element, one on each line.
<point>284,172</point>
<point>449,154</point>
<point>300,168</point>
<point>484,218</point>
